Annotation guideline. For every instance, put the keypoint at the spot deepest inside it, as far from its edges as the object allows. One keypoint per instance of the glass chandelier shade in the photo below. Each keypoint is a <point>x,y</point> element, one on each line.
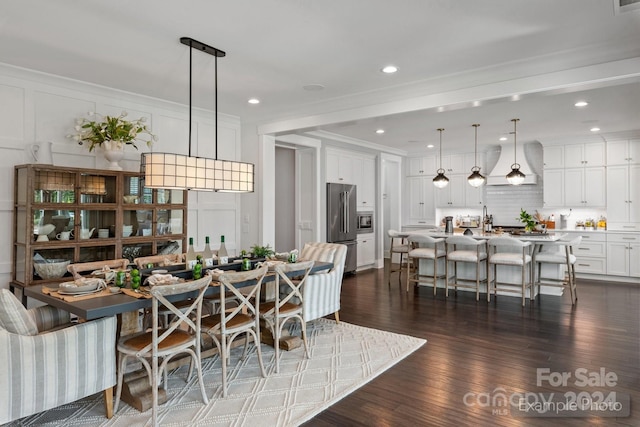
<point>440,181</point>
<point>515,177</point>
<point>476,179</point>
<point>187,172</point>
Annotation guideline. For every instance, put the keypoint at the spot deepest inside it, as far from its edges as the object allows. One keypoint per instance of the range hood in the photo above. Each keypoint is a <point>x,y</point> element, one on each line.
<point>498,175</point>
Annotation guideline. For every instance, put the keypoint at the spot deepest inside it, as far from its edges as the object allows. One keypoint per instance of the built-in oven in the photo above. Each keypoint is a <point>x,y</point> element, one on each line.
<point>364,222</point>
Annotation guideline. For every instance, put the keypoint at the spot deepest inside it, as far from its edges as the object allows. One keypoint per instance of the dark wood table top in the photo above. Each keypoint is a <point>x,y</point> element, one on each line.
<point>110,305</point>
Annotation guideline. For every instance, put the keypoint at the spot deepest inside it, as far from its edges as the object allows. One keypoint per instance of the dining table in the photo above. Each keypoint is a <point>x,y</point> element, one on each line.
<point>127,306</point>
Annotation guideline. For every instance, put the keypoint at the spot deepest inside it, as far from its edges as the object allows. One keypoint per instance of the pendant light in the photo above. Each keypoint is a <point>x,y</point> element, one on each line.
<point>177,171</point>
<point>515,177</point>
<point>440,180</point>
<point>476,179</point>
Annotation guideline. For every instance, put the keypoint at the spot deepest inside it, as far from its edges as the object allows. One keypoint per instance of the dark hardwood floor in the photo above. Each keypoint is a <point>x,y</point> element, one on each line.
<point>478,347</point>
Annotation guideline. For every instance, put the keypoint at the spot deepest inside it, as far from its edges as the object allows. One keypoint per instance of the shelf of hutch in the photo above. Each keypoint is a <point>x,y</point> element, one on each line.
<point>104,214</point>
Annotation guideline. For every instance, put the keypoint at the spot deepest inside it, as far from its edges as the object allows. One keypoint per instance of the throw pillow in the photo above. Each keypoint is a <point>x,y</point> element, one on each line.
<point>14,317</point>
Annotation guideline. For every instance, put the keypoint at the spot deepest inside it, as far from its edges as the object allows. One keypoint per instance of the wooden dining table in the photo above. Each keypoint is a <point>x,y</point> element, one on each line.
<point>136,390</point>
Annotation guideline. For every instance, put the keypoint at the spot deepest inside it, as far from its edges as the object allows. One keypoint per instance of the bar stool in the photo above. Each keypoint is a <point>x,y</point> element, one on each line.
<point>400,246</point>
<point>468,250</point>
<point>558,253</point>
<point>521,259</point>
<point>417,251</point>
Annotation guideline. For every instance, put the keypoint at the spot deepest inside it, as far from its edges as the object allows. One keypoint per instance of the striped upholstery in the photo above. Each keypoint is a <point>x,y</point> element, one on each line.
<point>14,317</point>
<point>53,368</point>
<point>322,291</point>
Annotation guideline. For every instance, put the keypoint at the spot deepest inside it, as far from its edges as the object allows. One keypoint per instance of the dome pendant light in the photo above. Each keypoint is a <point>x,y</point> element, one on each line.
<point>515,177</point>
<point>440,180</point>
<point>476,179</point>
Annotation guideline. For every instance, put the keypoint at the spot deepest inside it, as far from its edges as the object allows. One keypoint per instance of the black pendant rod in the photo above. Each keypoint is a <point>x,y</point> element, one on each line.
<point>215,105</point>
<point>190,92</point>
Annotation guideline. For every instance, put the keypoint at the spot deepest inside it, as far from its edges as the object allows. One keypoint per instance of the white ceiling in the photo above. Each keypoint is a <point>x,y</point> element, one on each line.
<point>276,47</point>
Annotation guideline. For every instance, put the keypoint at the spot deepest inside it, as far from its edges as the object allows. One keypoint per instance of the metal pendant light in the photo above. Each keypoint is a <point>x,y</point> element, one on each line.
<point>177,171</point>
<point>476,179</point>
<point>440,180</point>
<point>515,177</point>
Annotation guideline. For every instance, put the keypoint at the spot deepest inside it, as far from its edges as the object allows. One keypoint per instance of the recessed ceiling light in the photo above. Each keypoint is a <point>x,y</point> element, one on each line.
<point>581,104</point>
<point>503,138</point>
<point>389,69</point>
<point>313,87</point>
<point>254,101</point>
<point>430,146</point>
<point>379,131</point>
<point>595,129</point>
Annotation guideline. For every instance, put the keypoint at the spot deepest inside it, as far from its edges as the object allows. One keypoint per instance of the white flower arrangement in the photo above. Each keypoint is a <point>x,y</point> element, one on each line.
<point>111,128</point>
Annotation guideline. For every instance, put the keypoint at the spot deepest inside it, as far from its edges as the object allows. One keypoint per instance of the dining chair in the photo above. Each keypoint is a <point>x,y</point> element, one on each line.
<point>423,247</point>
<point>398,245</point>
<point>182,336</point>
<point>467,250</point>
<point>510,252</point>
<point>158,260</point>
<point>557,253</point>
<point>82,267</point>
<point>288,305</point>
<point>243,318</point>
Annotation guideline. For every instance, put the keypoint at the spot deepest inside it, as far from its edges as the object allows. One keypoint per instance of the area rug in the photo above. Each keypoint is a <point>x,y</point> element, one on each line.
<point>344,357</point>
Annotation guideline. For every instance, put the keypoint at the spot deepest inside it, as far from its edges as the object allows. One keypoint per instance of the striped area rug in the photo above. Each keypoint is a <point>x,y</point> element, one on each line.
<point>344,357</point>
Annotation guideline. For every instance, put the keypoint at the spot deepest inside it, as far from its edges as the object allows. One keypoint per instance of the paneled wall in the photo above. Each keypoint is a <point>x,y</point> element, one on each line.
<point>36,107</point>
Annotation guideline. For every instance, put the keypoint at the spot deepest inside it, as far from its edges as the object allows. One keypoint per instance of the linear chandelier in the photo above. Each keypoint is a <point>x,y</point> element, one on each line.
<point>187,172</point>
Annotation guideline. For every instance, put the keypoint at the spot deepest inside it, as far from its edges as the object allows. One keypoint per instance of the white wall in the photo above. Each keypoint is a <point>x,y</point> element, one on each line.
<point>36,107</point>
<point>285,197</point>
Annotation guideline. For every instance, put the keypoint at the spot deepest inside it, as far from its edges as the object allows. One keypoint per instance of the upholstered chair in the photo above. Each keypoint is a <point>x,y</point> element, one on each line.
<point>46,361</point>
<point>322,289</point>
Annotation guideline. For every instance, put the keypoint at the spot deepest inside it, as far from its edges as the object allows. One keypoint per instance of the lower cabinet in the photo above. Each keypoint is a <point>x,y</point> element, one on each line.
<point>591,254</point>
<point>623,253</point>
<point>366,249</point>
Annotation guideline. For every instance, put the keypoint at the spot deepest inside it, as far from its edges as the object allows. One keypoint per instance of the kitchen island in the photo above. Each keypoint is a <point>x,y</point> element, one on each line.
<point>506,274</point>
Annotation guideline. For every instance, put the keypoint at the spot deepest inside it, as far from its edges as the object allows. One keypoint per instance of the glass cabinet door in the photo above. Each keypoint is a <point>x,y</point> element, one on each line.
<point>97,224</point>
<point>169,221</point>
<point>53,187</point>
<point>97,188</point>
<point>55,224</point>
<point>139,221</point>
<point>134,192</point>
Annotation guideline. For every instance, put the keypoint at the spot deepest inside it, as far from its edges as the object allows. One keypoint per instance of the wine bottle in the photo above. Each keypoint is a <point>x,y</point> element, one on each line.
<point>207,254</point>
<point>223,256</point>
<point>191,255</point>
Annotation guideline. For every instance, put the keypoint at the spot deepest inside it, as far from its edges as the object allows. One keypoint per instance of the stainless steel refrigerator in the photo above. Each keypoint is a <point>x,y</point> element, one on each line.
<point>341,220</point>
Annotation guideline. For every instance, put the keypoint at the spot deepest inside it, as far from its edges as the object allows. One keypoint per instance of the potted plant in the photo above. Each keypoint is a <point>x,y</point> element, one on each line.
<point>111,133</point>
<point>262,251</point>
<point>528,220</point>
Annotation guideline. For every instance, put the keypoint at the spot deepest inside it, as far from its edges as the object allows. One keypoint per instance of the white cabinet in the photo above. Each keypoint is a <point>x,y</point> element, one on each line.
<point>453,195</point>
<point>453,164</point>
<point>366,254</point>
<point>553,157</point>
<point>421,166</point>
<point>553,187</point>
<point>623,152</point>
<point>365,177</point>
<point>591,254</point>
<point>354,168</point>
<point>591,155</point>
<point>584,187</point>
<point>623,253</point>
<point>420,201</point>
<point>473,196</point>
<point>623,198</point>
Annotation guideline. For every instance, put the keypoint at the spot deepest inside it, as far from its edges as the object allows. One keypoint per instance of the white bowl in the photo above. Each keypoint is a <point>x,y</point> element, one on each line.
<point>51,268</point>
<point>126,233</point>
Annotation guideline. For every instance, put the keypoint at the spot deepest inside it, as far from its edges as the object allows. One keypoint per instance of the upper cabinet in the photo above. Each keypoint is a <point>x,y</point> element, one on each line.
<point>574,155</point>
<point>349,167</point>
<point>623,152</point>
<point>421,166</point>
<point>586,155</point>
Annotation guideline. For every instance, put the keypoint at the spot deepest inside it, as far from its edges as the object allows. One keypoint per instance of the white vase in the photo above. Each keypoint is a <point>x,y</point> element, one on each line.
<point>113,152</point>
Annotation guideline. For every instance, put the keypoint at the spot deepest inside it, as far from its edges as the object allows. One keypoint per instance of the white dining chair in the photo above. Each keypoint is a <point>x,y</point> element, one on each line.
<point>558,253</point>
<point>510,252</point>
<point>465,249</point>
<point>423,247</point>
<point>400,246</point>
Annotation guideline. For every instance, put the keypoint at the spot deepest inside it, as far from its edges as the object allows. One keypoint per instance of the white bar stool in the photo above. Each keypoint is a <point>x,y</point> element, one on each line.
<point>400,246</point>
<point>469,250</point>
<point>558,253</point>
<point>418,250</point>
<point>520,258</point>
